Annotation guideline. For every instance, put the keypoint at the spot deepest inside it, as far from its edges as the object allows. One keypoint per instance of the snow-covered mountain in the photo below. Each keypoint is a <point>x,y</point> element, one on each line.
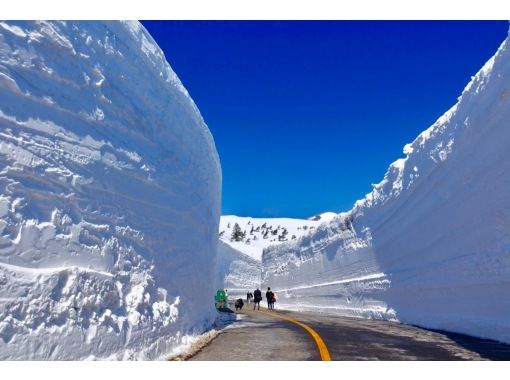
<point>254,234</point>
<point>430,245</point>
<point>109,195</point>
<point>324,217</point>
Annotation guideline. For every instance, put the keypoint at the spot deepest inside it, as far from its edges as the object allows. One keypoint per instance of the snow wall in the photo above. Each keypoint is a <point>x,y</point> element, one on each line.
<point>109,196</point>
<point>236,272</point>
<point>430,245</point>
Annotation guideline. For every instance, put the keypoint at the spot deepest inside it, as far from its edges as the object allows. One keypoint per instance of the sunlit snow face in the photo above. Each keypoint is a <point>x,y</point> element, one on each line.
<point>109,194</point>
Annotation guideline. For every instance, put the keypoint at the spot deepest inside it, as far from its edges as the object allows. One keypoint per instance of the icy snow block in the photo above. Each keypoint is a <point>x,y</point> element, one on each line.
<point>109,195</point>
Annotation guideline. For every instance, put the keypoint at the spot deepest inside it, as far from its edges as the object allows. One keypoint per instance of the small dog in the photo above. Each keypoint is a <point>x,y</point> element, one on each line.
<point>239,304</point>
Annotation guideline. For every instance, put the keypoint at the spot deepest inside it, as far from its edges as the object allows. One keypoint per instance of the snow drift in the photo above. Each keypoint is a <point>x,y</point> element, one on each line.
<point>109,195</point>
<point>430,245</point>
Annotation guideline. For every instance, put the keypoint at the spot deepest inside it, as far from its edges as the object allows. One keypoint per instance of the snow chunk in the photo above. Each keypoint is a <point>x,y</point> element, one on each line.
<point>16,30</point>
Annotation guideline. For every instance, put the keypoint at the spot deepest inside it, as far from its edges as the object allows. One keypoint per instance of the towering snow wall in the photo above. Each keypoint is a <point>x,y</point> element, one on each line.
<point>109,195</point>
<point>236,271</point>
<point>430,245</point>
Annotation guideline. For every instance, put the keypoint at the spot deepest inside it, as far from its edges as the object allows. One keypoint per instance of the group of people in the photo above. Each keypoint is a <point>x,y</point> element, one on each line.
<point>257,297</point>
<point>222,299</point>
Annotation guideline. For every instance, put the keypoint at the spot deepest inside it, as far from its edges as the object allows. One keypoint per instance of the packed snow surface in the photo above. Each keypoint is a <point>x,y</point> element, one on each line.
<point>109,196</point>
<point>430,245</point>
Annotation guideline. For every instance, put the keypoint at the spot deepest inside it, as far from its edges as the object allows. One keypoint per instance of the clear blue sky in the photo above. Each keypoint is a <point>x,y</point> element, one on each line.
<point>306,115</point>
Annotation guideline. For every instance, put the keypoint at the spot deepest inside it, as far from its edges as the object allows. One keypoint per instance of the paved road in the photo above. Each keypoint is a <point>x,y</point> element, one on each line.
<point>261,336</point>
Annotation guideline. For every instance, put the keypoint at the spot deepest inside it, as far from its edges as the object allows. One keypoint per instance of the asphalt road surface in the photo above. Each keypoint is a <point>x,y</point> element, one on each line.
<point>264,335</point>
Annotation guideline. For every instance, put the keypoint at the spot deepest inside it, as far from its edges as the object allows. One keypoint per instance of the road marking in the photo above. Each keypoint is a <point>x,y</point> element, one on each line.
<point>323,350</point>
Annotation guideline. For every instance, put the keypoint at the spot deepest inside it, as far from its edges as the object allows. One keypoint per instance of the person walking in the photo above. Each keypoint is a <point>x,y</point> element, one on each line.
<point>269,298</point>
<point>257,297</point>
<point>249,296</point>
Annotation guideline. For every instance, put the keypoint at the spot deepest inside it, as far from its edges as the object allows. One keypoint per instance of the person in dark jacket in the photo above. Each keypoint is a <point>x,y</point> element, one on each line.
<point>257,297</point>
<point>269,298</point>
<point>249,296</point>
<point>239,304</point>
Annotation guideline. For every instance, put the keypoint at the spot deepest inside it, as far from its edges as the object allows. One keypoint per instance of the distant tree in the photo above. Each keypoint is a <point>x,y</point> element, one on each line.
<point>228,225</point>
<point>254,237</point>
<point>222,233</point>
<point>293,237</point>
<point>237,234</point>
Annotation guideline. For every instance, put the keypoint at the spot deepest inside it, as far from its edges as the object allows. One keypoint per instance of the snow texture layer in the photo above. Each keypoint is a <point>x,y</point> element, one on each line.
<point>109,195</point>
<point>430,245</point>
<point>236,272</point>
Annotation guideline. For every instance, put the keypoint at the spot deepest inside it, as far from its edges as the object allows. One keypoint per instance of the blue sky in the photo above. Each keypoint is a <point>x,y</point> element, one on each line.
<point>306,115</point>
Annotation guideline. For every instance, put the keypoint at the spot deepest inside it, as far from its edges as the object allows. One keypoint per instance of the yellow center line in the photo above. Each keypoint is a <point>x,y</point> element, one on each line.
<point>323,350</point>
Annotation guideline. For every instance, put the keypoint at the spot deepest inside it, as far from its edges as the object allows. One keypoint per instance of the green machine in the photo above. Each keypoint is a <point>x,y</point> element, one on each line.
<point>221,299</point>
